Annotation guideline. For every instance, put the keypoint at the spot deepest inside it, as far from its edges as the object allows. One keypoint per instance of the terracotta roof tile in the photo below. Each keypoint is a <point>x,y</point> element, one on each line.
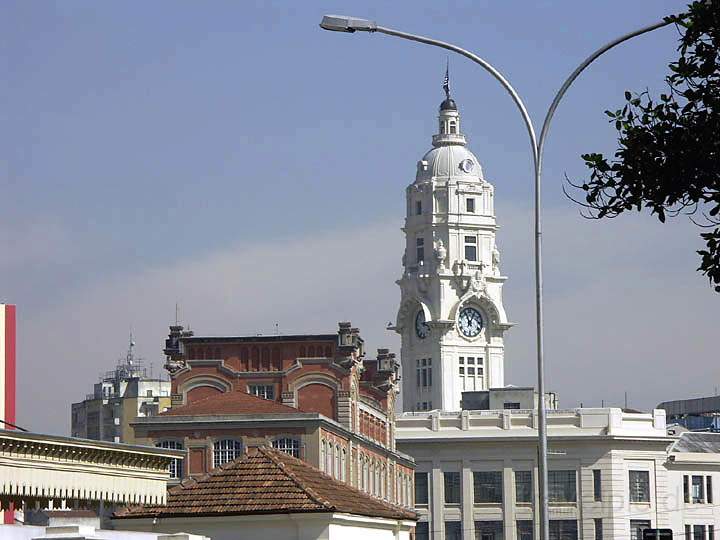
<point>266,481</point>
<point>233,402</point>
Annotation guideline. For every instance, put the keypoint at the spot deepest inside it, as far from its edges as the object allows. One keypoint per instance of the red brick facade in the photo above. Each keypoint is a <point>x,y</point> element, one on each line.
<point>316,396</point>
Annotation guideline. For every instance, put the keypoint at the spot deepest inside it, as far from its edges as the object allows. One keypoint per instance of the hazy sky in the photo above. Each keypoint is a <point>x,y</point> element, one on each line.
<point>233,157</point>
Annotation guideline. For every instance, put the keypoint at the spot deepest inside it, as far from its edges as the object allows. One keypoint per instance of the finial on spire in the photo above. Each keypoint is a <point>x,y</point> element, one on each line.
<point>446,84</point>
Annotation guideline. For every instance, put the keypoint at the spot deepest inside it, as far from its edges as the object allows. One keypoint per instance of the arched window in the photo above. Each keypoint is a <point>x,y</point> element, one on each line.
<point>265,359</point>
<point>329,460</point>
<point>311,351</point>
<point>338,463</point>
<point>453,127</point>
<point>175,465</point>
<point>288,445</point>
<point>323,452</point>
<point>327,352</point>
<point>365,475</point>
<point>216,353</point>
<point>343,465</point>
<point>303,354</point>
<point>225,451</point>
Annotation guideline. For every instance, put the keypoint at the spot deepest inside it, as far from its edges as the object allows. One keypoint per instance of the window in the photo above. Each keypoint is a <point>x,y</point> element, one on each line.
<point>698,532</point>
<point>418,207</point>
<point>452,488</point>
<point>471,373</point>
<point>421,488</point>
<point>686,488</point>
<point>524,529</point>
<point>488,530</point>
<point>563,529</point>
<point>561,486</point>
<point>711,531</point>
<point>470,205</point>
<point>637,526</point>
<point>453,530</point>
<point>698,489</point>
<point>639,486</point>
<point>511,405</point>
<point>471,248</point>
<point>708,491</point>
<point>175,465</point>
<point>453,127</point>
<point>523,486</point>
<point>338,462</point>
<point>343,465</point>
<point>488,486</point>
<point>265,391</point>
<point>419,249</point>
<point>422,531</point>
<point>423,371</point>
<point>598,528</point>
<point>148,393</point>
<point>225,451</point>
<point>288,445</point>
<point>597,484</point>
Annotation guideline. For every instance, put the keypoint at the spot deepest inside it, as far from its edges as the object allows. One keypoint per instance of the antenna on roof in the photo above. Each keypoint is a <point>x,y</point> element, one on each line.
<point>277,329</point>
<point>177,313</point>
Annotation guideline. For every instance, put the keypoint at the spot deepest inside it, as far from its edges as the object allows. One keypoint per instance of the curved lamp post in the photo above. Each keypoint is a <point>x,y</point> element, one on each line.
<point>341,23</point>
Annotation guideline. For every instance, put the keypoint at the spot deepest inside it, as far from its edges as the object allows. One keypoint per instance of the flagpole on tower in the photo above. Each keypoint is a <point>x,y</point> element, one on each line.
<point>446,84</point>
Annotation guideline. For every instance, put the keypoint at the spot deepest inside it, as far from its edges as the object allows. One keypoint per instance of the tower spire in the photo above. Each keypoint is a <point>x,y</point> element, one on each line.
<point>446,84</point>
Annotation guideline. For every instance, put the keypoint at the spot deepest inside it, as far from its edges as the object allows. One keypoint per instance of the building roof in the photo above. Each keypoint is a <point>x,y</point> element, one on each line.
<point>275,338</point>
<point>265,481</point>
<point>233,402</point>
<point>701,405</point>
<point>696,442</point>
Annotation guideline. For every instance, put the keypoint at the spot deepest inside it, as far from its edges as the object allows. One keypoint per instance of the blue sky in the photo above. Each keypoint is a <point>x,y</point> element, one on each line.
<point>221,155</point>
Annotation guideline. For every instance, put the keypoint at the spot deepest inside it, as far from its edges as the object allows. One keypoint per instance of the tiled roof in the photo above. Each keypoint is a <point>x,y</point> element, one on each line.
<point>265,481</point>
<point>233,402</point>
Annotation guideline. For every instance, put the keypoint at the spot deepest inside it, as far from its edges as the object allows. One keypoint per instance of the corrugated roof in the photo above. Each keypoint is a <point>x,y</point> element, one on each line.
<point>265,481</point>
<point>233,402</point>
<point>696,442</point>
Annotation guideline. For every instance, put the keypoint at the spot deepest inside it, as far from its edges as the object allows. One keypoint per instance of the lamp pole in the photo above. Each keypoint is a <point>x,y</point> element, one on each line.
<point>346,24</point>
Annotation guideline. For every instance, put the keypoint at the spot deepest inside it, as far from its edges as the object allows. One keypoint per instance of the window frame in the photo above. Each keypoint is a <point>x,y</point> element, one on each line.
<point>597,484</point>
<point>634,495</point>
<point>452,489</point>
<point>175,466</point>
<point>470,205</point>
<point>529,489</point>
<point>289,445</point>
<point>554,481</point>
<point>470,242</point>
<point>419,249</point>
<point>254,389</point>
<point>487,487</point>
<point>221,452</point>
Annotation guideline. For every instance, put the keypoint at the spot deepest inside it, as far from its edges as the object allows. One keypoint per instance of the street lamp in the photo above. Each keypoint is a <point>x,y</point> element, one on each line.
<point>342,23</point>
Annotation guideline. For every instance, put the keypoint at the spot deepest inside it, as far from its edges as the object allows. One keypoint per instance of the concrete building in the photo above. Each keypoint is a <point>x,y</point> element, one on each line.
<point>121,396</point>
<point>696,414</point>
<point>451,317</point>
<point>612,473</point>
<point>314,396</point>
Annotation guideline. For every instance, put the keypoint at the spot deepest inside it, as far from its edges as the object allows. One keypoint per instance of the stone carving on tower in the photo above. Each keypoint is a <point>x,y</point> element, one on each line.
<point>451,318</point>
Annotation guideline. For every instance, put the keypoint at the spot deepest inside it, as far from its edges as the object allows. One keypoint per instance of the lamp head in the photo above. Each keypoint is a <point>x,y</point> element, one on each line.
<point>343,23</point>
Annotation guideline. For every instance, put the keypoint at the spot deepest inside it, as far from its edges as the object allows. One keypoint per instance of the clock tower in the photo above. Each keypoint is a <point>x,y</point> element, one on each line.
<point>451,318</point>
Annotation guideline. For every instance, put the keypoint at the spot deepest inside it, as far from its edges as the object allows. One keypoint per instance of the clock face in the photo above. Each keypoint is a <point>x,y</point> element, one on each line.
<point>470,322</point>
<point>466,165</point>
<point>421,327</point>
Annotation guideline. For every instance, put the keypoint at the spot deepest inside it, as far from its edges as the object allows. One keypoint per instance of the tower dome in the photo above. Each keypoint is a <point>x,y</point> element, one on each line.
<point>450,156</point>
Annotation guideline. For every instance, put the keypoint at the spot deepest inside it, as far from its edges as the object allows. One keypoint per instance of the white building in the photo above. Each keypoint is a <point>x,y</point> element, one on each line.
<point>612,473</point>
<point>120,397</point>
<point>451,316</point>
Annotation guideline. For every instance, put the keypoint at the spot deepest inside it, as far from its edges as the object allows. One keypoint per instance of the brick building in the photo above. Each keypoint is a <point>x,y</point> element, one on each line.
<point>314,396</point>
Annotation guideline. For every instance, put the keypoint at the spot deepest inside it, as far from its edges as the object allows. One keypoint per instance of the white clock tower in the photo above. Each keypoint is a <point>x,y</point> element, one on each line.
<point>451,317</point>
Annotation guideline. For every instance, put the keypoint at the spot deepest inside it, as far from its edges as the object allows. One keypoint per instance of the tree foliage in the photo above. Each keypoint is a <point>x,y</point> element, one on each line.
<point>668,160</point>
